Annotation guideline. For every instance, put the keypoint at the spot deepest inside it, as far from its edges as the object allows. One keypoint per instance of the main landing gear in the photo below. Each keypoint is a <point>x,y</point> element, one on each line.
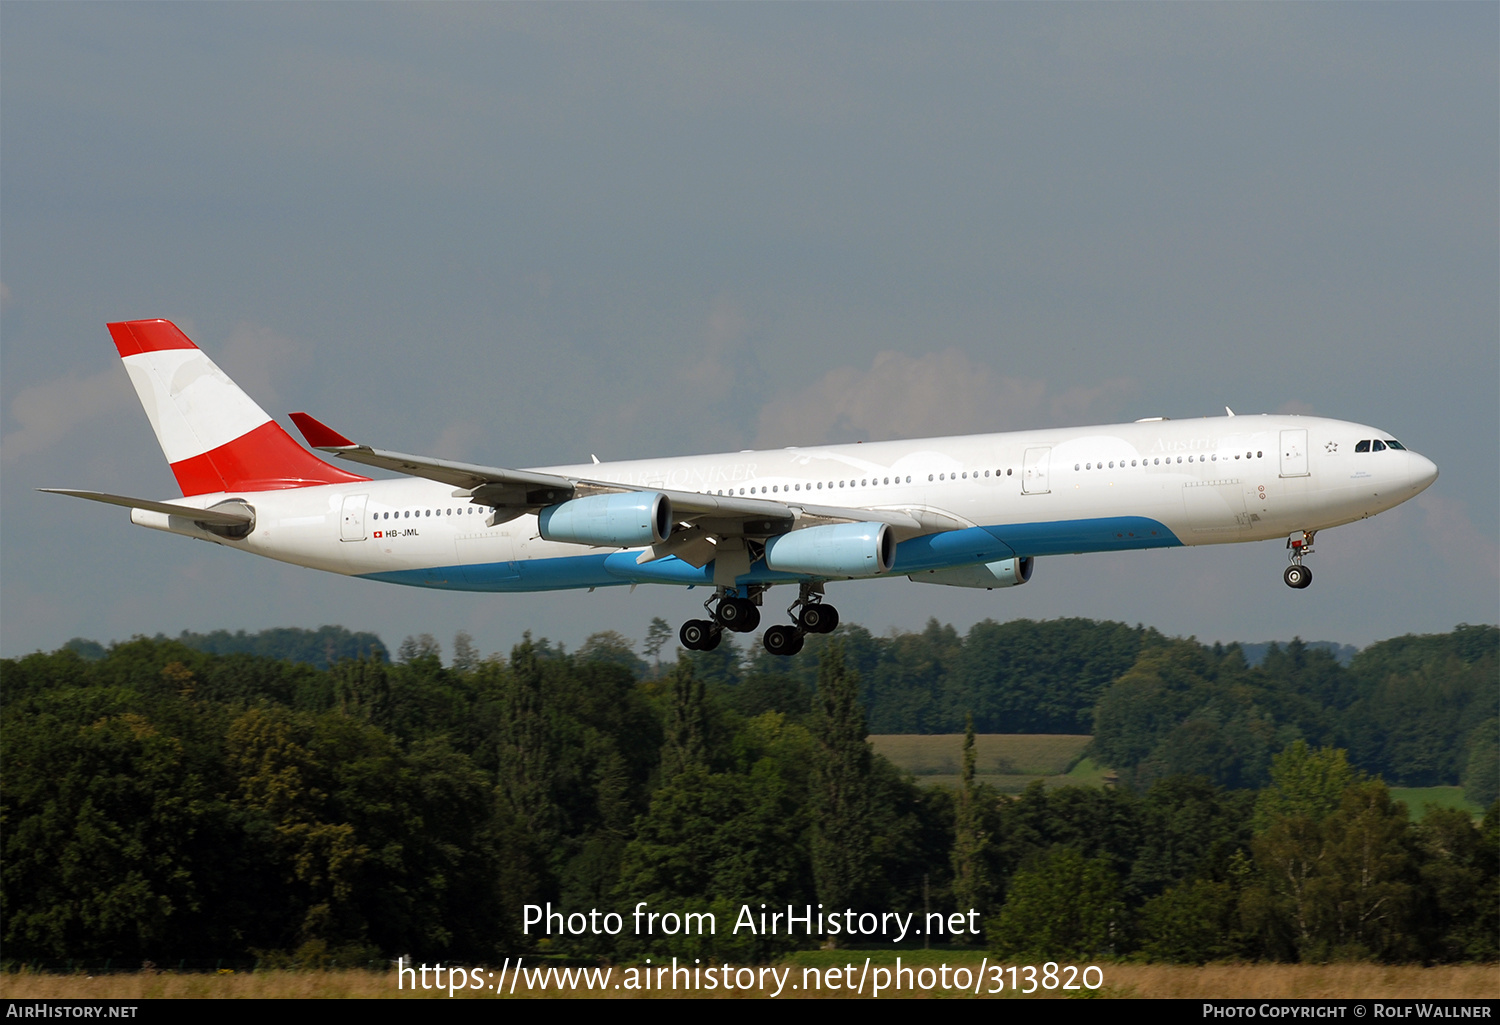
<point>738,609</point>
<point>728,610</point>
<point>1298,575</point>
<point>811,616</point>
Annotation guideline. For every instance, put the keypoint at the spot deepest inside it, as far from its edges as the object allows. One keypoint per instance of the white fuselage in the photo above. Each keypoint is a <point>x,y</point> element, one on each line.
<point>1149,484</point>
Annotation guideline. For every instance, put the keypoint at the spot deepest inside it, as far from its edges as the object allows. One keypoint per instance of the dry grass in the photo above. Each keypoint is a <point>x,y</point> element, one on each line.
<point>1341,981</point>
<point>995,754</point>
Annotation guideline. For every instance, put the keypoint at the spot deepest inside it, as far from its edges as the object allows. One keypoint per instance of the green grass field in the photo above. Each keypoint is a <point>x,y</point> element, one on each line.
<point>1006,761</point>
<point>1419,799</point>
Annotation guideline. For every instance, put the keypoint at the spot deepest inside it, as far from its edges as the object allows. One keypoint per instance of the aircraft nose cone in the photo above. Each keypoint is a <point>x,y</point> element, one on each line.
<point>1422,473</point>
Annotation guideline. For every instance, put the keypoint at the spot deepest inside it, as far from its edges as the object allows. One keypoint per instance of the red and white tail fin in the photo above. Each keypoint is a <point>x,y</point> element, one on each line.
<point>213,434</point>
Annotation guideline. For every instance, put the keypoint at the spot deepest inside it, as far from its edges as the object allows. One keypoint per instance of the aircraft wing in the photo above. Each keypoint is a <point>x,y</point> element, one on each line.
<point>702,520</point>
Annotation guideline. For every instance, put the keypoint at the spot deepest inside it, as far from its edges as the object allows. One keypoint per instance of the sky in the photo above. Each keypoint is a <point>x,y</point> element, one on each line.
<point>522,234</point>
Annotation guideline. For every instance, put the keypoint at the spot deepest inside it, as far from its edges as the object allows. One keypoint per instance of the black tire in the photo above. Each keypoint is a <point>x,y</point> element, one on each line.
<point>782,640</point>
<point>694,633</point>
<point>819,619</point>
<point>1297,576</point>
<point>738,614</point>
<point>715,635</point>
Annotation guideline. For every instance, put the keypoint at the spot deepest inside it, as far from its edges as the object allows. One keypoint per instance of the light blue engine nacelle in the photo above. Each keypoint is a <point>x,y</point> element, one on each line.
<point>1005,573</point>
<point>837,550</point>
<point>609,521</point>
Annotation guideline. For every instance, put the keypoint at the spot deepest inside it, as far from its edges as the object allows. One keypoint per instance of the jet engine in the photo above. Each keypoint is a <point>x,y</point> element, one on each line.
<point>835,550</point>
<point>609,521</point>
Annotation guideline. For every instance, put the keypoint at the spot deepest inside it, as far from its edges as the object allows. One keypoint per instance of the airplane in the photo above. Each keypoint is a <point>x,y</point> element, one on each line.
<point>974,511</point>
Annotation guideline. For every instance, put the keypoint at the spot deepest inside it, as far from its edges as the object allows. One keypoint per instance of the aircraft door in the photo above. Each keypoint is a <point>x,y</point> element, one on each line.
<point>1294,453</point>
<point>352,527</point>
<point>1034,471</point>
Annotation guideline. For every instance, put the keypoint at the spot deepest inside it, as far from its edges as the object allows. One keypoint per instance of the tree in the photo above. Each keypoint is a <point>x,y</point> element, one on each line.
<point>1190,923</point>
<point>1061,906</point>
<point>844,869</point>
<point>613,647</point>
<point>1333,883</point>
<point>1303,783</point>
<point>1363,893</point>
<point>971,881</point>
<point>423,646</point>
<point>684,745</point>
<point>465,655</point>
<point>1481,777</point>
<point>362,689</point>
<point>525,757</point>
<point>657,636</point>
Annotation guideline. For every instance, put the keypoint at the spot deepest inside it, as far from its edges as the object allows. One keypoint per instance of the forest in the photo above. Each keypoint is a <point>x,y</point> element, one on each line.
<point>305,799</point>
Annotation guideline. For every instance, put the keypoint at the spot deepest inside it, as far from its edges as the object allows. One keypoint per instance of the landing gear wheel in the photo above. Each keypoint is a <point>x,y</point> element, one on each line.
<point>1297,576</point>
<point>738,614</point>
<point>818,619</point>
<point>699,635</point>
<point>782,640</point>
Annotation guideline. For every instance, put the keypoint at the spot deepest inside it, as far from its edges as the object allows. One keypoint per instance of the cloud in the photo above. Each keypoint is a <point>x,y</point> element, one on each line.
<point>713,374</point>
<point>48,412</point>
<point>253,354</point>
<point>458,440</point>
<point>940,393</point>
<point>1463,546</point>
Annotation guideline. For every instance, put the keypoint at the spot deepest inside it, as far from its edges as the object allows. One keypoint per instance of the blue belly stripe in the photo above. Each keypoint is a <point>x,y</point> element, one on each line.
<point>933,551</point>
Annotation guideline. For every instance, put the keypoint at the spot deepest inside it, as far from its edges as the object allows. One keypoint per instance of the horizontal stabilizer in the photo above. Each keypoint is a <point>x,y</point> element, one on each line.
<point>217,517</point>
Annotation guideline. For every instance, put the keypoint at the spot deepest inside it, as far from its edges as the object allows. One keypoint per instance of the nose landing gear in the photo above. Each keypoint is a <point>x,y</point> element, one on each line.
<point>1299,545</point>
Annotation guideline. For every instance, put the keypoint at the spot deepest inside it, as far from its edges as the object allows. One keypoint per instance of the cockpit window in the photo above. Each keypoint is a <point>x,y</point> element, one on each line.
<point>1393,443</point>
<point>1363,446</point>
<point>1378,446</point>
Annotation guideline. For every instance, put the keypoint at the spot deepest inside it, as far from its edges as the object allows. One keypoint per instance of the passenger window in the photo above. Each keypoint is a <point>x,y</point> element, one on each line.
<point>1363,446</point>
